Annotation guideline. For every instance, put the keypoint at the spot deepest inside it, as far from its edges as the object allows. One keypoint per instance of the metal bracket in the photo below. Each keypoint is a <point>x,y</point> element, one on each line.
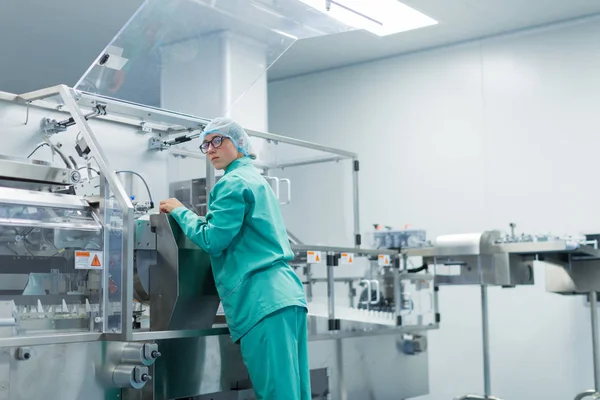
<point>145,128</point>
<point>155,143</point>
<point>52,126</point>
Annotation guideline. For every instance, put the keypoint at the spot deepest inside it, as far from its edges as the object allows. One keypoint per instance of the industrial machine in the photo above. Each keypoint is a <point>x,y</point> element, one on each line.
<point>101,297</point>
<point>493,259</point>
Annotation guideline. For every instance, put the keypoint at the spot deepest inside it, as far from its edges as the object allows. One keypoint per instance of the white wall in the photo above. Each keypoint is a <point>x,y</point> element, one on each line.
<point>460,139</point>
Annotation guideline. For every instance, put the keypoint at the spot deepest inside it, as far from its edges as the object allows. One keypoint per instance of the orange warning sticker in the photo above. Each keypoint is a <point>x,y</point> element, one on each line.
<point>347,258</point>
<point>89,259</point>
<point>313,257</point>
<point>384,260</point>
<point>96,262</point>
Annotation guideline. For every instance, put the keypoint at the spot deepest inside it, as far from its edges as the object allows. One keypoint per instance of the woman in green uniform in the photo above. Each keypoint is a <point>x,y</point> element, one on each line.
<point>249,249</point>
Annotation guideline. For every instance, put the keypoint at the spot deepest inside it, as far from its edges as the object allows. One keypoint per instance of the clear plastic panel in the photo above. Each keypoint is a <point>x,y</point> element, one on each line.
<point>48,217</point>
<point>51,279</point>
<point>417,303</point>
<point>113,254</point>
<point>314,216</point>
<point>352,281</point>
<point>200,56</point>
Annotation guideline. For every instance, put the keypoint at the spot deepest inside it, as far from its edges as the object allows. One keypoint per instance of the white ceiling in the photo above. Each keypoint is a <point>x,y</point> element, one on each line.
<point>44,43</point>
<point>460,20</point>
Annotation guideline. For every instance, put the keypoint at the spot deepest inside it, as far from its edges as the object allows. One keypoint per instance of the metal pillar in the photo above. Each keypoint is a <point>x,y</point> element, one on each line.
<point>593,394</point>
<point>485,332</point>
<point>332,261</point>
<point>356,205</point>
<point>594,318</point>
<point>309,276</point>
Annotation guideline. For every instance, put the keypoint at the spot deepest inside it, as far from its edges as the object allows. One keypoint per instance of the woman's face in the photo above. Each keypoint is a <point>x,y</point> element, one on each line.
<point>221,150</point>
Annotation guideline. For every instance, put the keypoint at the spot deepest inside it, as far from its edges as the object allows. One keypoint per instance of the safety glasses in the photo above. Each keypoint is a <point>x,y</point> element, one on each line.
<point>216,142</point>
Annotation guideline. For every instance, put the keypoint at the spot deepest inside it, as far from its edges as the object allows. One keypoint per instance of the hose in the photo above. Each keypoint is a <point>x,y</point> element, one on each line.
<point>62,155</point>
<point>424,267</point>
<point>39,146</point>
<point>143,180</point>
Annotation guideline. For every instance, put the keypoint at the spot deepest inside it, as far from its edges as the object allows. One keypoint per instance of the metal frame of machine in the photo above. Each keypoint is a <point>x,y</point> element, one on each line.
<point>329,327</point>
<point>73,101</point>
<point>486,259</point>
<point>489,259</point>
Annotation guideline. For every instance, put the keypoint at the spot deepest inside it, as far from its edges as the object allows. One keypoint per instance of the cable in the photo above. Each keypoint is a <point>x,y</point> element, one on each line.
<point>424,267</point>
<point>37,148</point>
<point>90,168</point>
<point>54,149</point>
<point>143,180</point>
<point>74,163</point>
<point>62,156</point>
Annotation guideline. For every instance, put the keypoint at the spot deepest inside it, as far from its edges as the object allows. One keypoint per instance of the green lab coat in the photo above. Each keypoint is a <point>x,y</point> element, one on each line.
<point>249,249</point>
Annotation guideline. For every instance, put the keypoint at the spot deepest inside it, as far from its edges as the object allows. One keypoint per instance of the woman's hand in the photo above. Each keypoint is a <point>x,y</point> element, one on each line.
<point>166,206</point>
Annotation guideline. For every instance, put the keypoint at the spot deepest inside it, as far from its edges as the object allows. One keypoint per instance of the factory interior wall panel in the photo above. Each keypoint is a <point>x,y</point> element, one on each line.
<point>463,139</point>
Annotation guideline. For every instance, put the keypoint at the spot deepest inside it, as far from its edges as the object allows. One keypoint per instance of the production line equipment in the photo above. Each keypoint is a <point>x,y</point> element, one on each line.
<point>103,298</point>
<point>492,258</point>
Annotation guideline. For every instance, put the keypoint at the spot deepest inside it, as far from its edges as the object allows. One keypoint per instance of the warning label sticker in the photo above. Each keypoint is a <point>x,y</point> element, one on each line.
<point>89,260</point>
<point>313,257</point>
<point>347,258</point>
<point>384,260</point>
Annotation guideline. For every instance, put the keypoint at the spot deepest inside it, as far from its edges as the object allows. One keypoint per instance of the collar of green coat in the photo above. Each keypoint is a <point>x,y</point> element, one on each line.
<point>238,163</point>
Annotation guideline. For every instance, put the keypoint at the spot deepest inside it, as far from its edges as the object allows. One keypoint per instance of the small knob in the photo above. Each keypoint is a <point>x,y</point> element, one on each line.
<point>155,354</point>
<point>129,376</point>
<point>23,353</point>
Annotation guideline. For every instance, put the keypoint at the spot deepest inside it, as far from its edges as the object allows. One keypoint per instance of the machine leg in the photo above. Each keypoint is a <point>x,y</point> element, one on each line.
<point>594,315</point>
<point>485,332</point>
<point>593,394</point>
<point>486,343</point>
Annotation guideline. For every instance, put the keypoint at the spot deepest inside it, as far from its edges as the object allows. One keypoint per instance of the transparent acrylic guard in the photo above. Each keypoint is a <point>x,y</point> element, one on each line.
<point>38,248</point>
<point>417,301</point>
<point>48,217</point>
<point>132,67</point>
<point>113,269</point>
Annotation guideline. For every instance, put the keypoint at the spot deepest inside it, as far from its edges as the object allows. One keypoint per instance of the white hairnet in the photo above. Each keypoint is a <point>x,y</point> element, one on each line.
<point>234,131</point>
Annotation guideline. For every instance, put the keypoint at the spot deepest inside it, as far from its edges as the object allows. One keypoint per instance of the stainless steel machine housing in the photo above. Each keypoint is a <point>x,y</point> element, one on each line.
<point>129,329</point>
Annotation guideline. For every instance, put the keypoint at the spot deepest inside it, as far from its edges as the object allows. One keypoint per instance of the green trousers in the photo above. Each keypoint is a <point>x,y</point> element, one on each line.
<point>275,352</point>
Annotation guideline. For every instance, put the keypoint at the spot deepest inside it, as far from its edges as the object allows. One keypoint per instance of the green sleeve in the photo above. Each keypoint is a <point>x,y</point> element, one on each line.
<point>223,222</point>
